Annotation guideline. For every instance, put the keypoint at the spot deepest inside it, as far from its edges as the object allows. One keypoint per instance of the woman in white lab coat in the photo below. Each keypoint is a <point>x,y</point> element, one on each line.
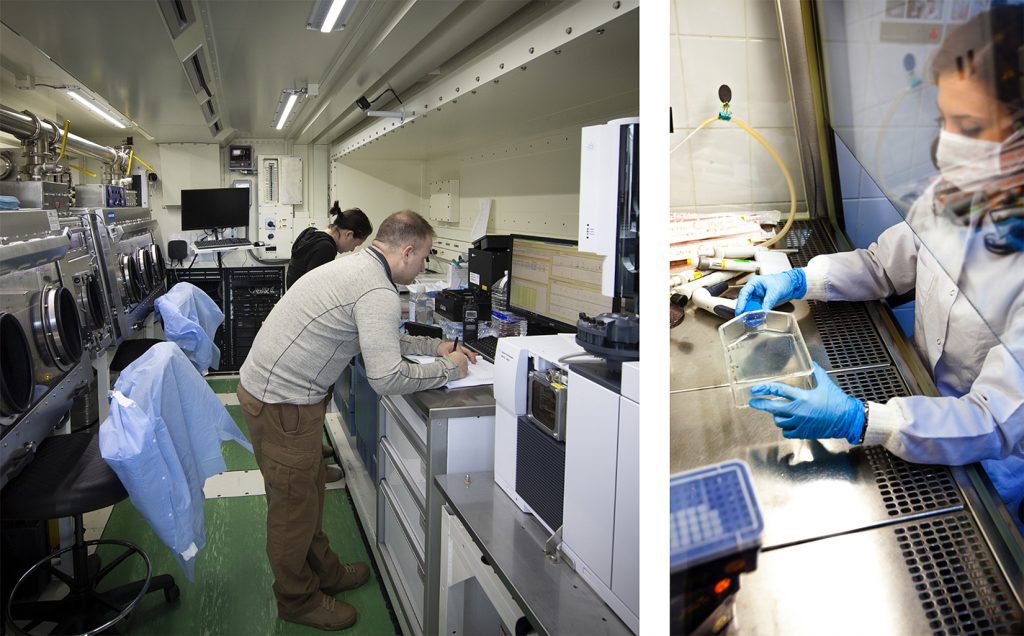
<point>962,249</point>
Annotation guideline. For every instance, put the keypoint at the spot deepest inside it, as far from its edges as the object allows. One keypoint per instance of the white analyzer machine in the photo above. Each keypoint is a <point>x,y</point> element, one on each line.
<point>567,450</point>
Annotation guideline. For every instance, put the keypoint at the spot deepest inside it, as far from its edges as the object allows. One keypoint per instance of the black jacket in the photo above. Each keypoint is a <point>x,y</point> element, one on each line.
<point>311,249</point>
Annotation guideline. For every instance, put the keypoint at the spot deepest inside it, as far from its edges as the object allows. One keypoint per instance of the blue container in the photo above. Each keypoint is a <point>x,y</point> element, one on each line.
<point>713,513</point>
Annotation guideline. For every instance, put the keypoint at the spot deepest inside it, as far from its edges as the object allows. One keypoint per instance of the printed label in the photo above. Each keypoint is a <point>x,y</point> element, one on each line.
<point>474,278</point>
<point>51,216</point>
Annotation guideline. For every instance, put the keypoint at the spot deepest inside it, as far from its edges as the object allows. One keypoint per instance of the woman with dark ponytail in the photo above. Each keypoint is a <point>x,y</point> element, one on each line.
<point>313,248</point>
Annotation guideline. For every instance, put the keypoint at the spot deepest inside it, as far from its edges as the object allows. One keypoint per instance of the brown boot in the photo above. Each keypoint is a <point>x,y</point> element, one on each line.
<point>329,615</point>
<point>353,575</point>
<point>334,473</point>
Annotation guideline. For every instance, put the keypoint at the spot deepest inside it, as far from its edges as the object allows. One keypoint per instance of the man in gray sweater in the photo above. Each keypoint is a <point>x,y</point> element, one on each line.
<point>334,312</point>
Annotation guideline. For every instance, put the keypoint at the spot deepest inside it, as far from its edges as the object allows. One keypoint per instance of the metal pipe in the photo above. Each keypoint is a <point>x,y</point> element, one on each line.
<point>22,127</point>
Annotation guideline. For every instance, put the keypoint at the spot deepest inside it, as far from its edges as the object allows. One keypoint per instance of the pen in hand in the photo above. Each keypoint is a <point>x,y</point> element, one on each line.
<point>456,347</point>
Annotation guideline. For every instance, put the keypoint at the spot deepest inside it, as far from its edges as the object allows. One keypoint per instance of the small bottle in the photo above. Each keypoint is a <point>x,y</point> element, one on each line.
<point>418,310</point>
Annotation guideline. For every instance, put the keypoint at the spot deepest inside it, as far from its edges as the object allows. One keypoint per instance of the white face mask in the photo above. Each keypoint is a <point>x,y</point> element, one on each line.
<point>967,163</point>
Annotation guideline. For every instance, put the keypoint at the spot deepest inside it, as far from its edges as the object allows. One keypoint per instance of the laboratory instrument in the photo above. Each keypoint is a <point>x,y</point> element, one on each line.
<point>584,488</point>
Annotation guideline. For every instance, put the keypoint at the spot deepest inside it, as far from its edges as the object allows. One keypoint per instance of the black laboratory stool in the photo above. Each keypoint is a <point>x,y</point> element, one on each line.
<point>67,478</point>
<point>129,351</point>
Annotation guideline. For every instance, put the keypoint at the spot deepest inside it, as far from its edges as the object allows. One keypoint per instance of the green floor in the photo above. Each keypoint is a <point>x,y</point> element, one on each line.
<point>231,593</point>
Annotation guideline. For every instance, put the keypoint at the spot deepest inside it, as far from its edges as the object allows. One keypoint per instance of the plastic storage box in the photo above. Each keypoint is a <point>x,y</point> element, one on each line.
<point>764,346</point>
<point>714,513</point>
<point>715,535</point>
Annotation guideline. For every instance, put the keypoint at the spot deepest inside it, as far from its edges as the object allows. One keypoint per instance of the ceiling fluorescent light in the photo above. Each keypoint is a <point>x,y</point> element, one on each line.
<point>332,15</point>
<point>329,15</point>
<point>88,103</point>
<point>287,110</point>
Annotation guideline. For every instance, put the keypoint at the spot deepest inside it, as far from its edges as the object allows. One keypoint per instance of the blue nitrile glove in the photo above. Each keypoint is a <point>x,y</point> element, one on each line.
<point>764,292</point>
<point>818,413</point>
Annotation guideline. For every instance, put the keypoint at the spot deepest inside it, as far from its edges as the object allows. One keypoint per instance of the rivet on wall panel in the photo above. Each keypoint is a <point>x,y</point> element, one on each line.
<point>502,65</point>
<point>531,50</point>
<point>568,30</point>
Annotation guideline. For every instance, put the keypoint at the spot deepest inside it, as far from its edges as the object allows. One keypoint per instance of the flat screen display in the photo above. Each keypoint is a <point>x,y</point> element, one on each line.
<point>213,208</point>
<point>551,282</point>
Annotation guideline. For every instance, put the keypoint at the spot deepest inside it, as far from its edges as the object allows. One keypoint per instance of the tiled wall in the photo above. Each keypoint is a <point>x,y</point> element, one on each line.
<point>734,42</point>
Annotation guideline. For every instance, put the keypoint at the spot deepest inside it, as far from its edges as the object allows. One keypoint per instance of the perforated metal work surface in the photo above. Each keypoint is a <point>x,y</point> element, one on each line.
<point>809,239</point>
<point>877,385</point>
<point>912,488</point>
<point>849,338</point>
<point>960,588</point>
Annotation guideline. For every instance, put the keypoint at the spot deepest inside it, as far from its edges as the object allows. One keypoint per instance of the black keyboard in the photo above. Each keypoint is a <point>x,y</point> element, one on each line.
<point>487,347</point>
<point>228,242</point>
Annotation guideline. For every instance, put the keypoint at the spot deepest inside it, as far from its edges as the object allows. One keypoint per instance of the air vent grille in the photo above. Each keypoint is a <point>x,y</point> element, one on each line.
<point>177,15</point>
<point>960,588</point>
<point>874,385</point>
<point>849,338</point>
<point>912,488</point>
<point>809,239</point>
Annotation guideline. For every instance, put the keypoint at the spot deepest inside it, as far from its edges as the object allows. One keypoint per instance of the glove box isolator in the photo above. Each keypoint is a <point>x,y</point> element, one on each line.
<point>762,347</point>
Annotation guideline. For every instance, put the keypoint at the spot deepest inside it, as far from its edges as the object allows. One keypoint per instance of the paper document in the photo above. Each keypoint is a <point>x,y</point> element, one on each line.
<point>480,373</point>
<point>480,224</point>
<point>420,359</point>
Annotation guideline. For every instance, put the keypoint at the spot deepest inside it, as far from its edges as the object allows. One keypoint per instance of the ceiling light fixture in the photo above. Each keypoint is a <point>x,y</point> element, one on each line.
<point>287,110</point>
<point>286,106</point>
<point>330,15</point>
<point>88,103</point>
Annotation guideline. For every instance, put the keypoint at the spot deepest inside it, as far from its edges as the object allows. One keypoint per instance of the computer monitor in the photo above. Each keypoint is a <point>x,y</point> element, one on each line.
<point>551,282</point>
<point>213,208</point>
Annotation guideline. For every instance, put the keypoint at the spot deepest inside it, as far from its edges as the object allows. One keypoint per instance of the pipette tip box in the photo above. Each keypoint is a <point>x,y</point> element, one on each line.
<point>713,513</point>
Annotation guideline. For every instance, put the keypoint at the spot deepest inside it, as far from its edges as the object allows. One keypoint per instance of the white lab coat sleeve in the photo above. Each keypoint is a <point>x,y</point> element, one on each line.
<point>985,423</point>
<point>886,267</point>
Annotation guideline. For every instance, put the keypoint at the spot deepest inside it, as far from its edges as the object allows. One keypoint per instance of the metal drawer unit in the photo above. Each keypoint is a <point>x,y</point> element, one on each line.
<point>420,436</point>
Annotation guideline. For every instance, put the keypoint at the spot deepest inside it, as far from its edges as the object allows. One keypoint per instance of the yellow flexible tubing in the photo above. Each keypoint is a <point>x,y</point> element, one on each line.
<point>88,172</point>
<point>789,182</point>
<point>148,167</point>
<point>778,160</point>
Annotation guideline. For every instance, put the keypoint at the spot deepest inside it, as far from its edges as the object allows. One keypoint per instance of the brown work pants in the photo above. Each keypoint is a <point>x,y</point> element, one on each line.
<point>286,439</point>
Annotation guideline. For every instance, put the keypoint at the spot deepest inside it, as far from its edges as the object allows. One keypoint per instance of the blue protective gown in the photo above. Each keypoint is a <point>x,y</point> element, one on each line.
<point>163,438</point>
<point>190,320</point>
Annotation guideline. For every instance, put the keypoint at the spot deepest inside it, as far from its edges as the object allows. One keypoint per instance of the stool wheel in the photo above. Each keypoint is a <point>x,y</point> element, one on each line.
<point>44,563</point>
